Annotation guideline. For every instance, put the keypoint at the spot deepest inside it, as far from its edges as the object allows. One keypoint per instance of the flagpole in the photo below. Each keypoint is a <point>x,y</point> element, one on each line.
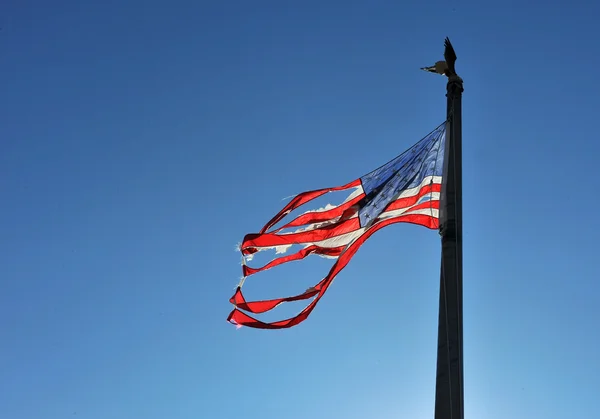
<point>449,388</point>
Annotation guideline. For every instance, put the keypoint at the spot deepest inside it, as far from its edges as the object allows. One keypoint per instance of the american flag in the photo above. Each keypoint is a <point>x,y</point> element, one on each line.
<point>406,189</point>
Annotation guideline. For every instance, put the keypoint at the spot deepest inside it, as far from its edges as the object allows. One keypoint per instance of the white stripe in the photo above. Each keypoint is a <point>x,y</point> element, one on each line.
<point>359,190</point>
<point>347,238</point>
<point>312,226</point>
<point>414,191</point>
<point>435,196</point>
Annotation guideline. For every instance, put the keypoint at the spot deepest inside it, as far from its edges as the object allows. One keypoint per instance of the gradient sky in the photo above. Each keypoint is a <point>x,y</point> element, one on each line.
<point>140,141</point>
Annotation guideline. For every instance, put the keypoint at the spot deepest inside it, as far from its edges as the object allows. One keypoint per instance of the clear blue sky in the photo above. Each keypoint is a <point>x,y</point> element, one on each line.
<point>140,140</point>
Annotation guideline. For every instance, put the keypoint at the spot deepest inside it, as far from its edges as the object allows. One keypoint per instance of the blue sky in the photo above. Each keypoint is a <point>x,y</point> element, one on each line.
<point>140,141</point>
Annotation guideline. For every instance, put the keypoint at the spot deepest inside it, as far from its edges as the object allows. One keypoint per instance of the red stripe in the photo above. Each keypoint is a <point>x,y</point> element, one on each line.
<point>311,236</point>
<point>423,205</point>
<point>301,254</point>
<point>265,305</point>
<point>317,217</point>
<point>251,241</point>
<point>320,216</point>
<point>411,200</point>
<point>240,318</point>
<point>302,199</point>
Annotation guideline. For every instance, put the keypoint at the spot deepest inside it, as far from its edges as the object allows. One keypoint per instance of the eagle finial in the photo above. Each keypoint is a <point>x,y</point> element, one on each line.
<point>444,67</point>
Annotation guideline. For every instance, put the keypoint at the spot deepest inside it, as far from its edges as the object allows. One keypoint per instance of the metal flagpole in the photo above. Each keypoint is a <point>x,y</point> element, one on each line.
<point>449,388</point>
